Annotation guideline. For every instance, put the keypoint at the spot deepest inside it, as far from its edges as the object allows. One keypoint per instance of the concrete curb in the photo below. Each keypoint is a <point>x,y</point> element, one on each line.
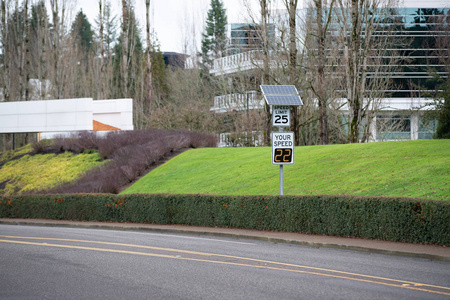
<point>431,252</point>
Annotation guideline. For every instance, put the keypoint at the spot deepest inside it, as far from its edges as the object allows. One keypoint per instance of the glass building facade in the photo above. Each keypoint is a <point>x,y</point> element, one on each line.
<point>423,58</point>
<point>243,37</point>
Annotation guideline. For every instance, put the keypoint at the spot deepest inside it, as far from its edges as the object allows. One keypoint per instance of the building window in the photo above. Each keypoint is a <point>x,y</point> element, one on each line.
<point>427,128</point>
<point>393,127</point>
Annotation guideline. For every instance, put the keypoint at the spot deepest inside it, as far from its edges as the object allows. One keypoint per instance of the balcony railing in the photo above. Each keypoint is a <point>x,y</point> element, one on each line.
<point>237,102</point>
<point>238,62</point>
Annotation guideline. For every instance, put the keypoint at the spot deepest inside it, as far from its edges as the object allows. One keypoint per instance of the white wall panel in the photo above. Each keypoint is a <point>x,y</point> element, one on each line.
<point>117,113</point>
<point>43,116</point>
<point>61,116</point>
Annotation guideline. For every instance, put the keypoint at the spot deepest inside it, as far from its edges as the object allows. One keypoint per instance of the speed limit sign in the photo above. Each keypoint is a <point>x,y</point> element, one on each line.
<point>281,115</point>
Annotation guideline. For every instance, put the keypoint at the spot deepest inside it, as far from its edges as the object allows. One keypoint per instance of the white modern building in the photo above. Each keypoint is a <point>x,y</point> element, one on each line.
<point>50,118</point>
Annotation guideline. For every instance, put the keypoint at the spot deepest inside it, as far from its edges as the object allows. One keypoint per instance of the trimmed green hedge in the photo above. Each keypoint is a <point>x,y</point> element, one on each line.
<point>395,219</point>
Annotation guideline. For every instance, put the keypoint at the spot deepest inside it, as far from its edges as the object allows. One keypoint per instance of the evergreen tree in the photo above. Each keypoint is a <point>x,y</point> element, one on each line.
<point>83,38</point>
<point>443,128</point>
<point>133,59</point>
<point>82,32</point>
<point>39,47</point>
<point>159,74</point>
<point>214,38</point>
<point>442,99</point>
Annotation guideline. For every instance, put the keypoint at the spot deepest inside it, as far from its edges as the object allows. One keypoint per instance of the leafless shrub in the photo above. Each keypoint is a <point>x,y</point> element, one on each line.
<point>131,154</point>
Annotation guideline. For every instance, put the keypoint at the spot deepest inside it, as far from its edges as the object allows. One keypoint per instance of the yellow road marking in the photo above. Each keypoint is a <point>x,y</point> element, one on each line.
<point>218,255</point>
<point>396,283</point>
<point>108,243</point>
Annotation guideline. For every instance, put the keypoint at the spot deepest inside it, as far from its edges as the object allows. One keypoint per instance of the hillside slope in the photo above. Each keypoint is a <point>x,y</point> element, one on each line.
<point>411,169</point>
<point>24,171</point>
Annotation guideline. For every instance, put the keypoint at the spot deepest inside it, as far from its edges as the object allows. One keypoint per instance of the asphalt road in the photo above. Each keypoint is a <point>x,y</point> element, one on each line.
<point>74,263</point>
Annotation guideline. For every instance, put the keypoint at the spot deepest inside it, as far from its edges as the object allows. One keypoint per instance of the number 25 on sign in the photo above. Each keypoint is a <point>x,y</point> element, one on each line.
<point>281,116</point>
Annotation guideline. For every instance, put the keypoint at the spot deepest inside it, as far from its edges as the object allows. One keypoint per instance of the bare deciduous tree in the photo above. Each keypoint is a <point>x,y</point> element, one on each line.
<point>125,37</point>
<point>322,12</point>
<point>106,25</point>
<point>101,93</point>
<point>365,70</point>
<point>56,36</point>
<point>148,73</point>
<point>291,6</point>
<point>5,50</point>
<point>188,104</point>
<point>39,50</point>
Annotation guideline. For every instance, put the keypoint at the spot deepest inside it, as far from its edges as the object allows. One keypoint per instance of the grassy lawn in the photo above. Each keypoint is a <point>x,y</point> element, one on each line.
<point>39,172</point>
<point>411,169</point>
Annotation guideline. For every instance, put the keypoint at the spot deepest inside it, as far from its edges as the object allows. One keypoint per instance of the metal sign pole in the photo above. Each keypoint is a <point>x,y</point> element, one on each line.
<point>281,180</point>
<point>280,129</point>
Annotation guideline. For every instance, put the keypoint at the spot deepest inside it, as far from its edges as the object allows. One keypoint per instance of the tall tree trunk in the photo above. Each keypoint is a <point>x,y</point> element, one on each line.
<point>125,37</point>
<point>28,137</point>
<point>148,70</point>
<point>351,38</point>
<point>6,138</point>
<point>39,52</point>
<point>5,73</point>
<point>291,6</point>
<point>24,76</point>
<point>56,48</point>
<point>323,116</point>
<point>266,68</point>
<point>354,96</point>
<point>101,94</point>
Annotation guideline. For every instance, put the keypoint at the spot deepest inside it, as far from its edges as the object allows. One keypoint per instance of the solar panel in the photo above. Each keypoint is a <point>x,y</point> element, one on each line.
<point>279,90</point>
<point>281,95</point>
<point>283,100</point>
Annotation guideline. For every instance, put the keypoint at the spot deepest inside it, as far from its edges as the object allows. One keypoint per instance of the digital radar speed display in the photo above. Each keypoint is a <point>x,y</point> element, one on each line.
<point>282,148</point>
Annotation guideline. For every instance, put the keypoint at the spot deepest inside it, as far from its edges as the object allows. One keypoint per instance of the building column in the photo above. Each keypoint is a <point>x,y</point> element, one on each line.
<point>373,130</point>
<point>414,121</point>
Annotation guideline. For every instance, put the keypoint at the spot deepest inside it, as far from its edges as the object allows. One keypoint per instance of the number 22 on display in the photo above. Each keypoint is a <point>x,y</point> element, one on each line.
<point>283,155</point>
